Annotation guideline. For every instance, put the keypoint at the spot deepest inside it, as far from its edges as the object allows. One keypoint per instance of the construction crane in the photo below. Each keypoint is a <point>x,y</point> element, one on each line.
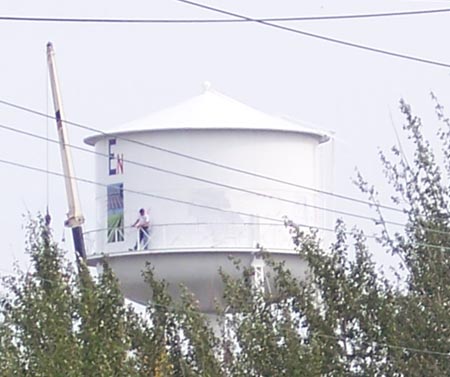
<point>75,218</point>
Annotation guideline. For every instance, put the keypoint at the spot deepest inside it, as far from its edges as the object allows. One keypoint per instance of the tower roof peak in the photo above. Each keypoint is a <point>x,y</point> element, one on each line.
<point>211,110</point>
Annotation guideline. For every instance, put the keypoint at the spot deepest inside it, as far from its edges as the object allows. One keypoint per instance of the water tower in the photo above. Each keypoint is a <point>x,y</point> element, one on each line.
<point>195,167</point>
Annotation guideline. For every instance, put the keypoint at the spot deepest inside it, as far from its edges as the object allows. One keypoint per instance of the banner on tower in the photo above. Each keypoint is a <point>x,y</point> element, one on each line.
<point>115,160</point>
<point>115,213</point>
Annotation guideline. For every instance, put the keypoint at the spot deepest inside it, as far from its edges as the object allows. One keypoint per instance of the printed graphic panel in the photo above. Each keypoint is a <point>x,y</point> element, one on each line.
<point>115,212</point>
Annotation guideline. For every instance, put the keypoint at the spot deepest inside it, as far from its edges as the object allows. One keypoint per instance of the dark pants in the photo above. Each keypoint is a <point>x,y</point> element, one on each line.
<point>143,238</point>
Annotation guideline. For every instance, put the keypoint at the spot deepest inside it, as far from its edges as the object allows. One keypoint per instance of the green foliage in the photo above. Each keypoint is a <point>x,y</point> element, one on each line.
<point>103,328</point>
<point>60,323</point>
<point>262,332</point>
<point>423,320</point>
<point>39,316</point>
<point>343,319</point>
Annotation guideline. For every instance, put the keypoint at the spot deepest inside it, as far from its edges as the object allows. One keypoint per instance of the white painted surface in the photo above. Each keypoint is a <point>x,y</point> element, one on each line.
<point>212,110</point>
<point>196,269</point>
<point>273,148</point>
<point>285,155</point>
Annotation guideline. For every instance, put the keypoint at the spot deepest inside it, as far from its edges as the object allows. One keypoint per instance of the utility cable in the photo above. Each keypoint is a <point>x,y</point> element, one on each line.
<point>7,272</point>
<point>339,212</point>
<point>201,223</point>
<point>199,205</point>
<point>47,151</point>
<point>415,350</point>
<point>205,206</point>
<point>226,20</point>
<point>318,36</point>
<point>345,213</point>
<point>172,309</point>
<point>203,180</point>
<point>157,169</point>
<point>204,161</point>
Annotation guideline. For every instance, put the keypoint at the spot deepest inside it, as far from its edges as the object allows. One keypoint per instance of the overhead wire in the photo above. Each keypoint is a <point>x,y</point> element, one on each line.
<point>172,308</point>
<point>340,212</point>
<point>264,21</point>
<point>7,272</point>
<point>207,181</point>
<point>425,351</point>
<point>415,350</point>
<point>205,206</point>
<point>47,152</point>
<point>318,36</point>
<point>205,161</point>
<point>227,20</point>
<point>236,188</point>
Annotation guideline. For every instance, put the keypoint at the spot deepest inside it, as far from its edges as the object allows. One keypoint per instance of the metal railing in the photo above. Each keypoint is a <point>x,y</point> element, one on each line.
<point>188,235</point>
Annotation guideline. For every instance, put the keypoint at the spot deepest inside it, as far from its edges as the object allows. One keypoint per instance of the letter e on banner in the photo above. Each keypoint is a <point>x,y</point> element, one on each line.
<point>111,157</point>
<point>115,161</point>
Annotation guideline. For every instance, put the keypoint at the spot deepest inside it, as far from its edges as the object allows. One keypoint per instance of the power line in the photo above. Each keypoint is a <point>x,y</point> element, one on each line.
<point>415,350</point>
<point>345,213</point>
<point>201,223</point>
<point>171,308</point>
<point>227,20</point>
<point>361,15</point>
<point>340,212</point>
<point>207,181</point>
<point>236,188</point>
<point>204,161</point>
<point>318,36</point>
<point>117,20</point>
<point>6,272</point>
<point>193,204</point>
<point>205,206</point>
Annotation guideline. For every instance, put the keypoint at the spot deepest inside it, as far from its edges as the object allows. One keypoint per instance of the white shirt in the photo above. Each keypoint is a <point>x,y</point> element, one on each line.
<point>143,221</point>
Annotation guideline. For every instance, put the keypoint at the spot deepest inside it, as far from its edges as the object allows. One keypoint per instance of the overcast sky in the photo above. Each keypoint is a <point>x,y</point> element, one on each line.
<point>115,73</point>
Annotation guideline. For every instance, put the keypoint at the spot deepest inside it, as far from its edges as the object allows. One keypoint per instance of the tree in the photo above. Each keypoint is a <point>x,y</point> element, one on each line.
<point>57,322</point>
<point>344,319</point>
<point>350,320</point>
<point>39,315</point>
<point>423,193</point>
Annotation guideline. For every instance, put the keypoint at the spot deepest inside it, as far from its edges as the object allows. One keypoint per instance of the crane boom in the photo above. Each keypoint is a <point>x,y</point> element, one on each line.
<point>75,218</point>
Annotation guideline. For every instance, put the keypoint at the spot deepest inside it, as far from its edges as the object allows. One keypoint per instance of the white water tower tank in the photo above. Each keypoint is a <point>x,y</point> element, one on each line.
<point>198,219</point>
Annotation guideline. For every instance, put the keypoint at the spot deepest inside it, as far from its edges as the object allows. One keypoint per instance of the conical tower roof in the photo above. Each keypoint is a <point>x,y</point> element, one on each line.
<point>211,110</point>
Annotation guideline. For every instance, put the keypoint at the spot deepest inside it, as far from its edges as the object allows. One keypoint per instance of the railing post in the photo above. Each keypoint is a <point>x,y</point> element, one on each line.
<point>138,241</point>
<point>258,271</point>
